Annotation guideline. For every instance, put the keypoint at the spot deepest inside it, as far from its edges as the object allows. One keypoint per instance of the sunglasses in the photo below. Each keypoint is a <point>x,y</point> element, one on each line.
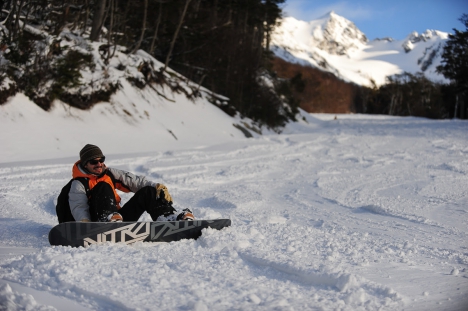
<point>96,161</point>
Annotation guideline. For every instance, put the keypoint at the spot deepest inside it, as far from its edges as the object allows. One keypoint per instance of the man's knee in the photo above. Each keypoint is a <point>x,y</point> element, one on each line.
<point>102,186</point>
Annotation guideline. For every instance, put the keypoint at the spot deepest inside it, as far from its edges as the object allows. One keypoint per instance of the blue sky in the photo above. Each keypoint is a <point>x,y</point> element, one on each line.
<point>386,18</point>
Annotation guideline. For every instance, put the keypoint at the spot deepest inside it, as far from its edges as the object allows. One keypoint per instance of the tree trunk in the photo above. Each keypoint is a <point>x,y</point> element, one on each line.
<point>168,57</point>
<point>462,107</point>
<point>18,15</point>
<point>143,28</point>
<point>109,55</point>
<point>63,19</point>
<point>98,17</point>
<point>9,21</point>
<point>30,8</point>
<point>85,21</point>
<point>155,36</point>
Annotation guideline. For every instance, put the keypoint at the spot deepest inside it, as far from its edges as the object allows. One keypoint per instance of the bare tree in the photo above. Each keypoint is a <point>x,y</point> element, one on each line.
<point>98,20</point>
<point>86,16</point>
<point>169,54</point>
<point>155,36</point>
<point>143,28</point>
<point>109,55</point>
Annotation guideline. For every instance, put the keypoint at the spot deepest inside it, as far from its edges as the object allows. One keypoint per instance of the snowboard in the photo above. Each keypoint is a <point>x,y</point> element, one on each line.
<point>84,234</point>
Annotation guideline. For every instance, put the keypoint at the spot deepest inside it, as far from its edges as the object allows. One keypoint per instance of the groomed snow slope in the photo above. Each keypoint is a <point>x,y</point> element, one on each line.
<point>358,213</point>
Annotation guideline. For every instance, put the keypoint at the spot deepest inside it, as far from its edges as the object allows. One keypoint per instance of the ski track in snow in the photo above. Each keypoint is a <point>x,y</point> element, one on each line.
<point>359,213</point>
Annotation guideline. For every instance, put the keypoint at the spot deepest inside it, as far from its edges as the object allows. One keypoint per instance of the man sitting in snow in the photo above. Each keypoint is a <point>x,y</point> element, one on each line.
<point>98,199</point>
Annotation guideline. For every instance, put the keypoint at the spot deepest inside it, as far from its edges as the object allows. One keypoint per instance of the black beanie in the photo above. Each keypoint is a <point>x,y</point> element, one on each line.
<point>90,152</point>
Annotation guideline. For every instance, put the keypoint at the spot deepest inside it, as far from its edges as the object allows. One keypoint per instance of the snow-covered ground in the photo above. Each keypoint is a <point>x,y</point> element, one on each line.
<point>359,213</point>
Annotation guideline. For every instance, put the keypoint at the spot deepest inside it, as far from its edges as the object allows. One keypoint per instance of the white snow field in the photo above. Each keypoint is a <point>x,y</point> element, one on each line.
<point>359,213</point>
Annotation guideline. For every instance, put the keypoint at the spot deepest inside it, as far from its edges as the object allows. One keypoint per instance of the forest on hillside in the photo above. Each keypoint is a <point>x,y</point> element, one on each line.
<point>223,45</point>
<point>404,94</point>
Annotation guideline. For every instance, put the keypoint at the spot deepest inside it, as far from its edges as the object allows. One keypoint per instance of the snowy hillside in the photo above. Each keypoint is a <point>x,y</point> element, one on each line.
<point>358,213</point>
<point>133,121</point>
<point>335,44</point>
<point>151,109</point>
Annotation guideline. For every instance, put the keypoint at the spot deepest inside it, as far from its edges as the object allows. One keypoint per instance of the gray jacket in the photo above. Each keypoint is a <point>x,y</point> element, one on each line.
<point>78,199</point>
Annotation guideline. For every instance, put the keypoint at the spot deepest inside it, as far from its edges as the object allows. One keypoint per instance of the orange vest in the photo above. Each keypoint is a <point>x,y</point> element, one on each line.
<point>104,177</point>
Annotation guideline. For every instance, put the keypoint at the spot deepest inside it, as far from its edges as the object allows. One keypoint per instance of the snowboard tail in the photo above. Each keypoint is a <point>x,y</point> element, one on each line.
<point>78,234</point>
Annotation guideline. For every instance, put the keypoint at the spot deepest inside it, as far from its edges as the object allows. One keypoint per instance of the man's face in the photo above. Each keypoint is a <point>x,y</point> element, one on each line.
<point>95,166</point>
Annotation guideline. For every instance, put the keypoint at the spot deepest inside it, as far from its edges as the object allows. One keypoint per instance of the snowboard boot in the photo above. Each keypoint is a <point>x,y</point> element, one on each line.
<point>114,217</point>
<point>186,214</point>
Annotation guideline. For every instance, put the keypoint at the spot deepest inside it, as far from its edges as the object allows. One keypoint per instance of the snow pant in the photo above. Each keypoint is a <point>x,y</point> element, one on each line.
<point>102,202</point>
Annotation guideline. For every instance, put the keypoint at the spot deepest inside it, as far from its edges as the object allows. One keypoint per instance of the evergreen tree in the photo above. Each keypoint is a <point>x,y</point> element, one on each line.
<point>455,63</point>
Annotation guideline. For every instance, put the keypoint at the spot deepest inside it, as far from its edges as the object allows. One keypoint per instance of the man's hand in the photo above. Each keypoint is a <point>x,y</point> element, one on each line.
<point>163,193</point>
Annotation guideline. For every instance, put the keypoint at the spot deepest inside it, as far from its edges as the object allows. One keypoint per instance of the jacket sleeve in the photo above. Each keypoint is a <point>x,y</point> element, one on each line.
<point>78,201</point>
<point>127,181</point>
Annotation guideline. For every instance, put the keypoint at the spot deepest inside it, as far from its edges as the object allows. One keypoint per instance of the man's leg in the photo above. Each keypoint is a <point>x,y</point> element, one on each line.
<point>145,200</point>
<point>102,202</point>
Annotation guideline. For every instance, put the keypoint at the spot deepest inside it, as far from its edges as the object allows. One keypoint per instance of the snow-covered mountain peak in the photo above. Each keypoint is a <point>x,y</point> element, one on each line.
<point>341,35</point>
<point>428,35</point>
<point>334,44</point>
<point>332,33</point>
